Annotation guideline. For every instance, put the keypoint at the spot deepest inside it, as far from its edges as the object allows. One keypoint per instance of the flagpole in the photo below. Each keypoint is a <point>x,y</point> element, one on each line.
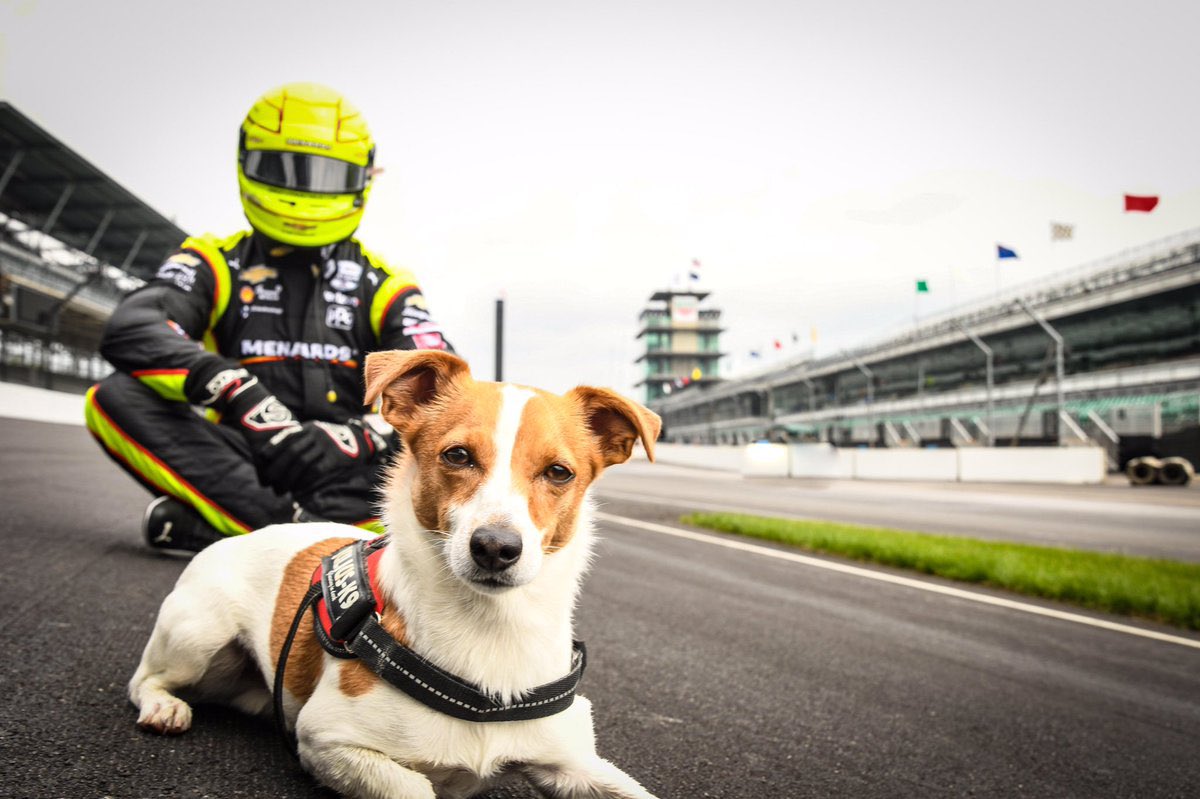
<point>922,287</point>
<point>1002,253</point>
<point>996,266</point>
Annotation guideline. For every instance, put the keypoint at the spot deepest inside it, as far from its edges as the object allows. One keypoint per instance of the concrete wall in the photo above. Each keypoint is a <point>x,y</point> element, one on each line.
<point>905,464</point>
<point>820,460</point>
<point>40,404</point>
<point>765,460</point>
<point>721,458</point>
<point>1077,465</point>
<point>1031,465</point>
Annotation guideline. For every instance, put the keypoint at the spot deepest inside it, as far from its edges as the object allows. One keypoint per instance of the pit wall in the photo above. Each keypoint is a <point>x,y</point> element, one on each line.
<point>1072,465</point>
<point>720,458</point>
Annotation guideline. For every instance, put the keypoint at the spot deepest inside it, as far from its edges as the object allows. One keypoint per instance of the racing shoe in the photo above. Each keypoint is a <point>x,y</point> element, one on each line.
<point>175,529</point>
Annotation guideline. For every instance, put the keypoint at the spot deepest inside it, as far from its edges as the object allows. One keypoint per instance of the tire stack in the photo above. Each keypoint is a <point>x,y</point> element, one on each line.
<point>1167,471</point>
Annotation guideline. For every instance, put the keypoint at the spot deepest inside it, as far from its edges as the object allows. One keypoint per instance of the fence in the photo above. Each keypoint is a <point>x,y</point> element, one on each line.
<point>50,364</point>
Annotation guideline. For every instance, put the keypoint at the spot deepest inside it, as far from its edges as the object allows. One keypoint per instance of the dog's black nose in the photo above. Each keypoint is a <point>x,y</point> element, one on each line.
<point>495,548</point>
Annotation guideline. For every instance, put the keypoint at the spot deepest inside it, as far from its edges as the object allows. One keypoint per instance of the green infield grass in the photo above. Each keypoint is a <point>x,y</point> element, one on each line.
<point>1163,590</point>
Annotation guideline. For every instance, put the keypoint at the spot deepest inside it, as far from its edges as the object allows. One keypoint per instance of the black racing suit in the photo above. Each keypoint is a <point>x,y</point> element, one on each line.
<point>300,320</point>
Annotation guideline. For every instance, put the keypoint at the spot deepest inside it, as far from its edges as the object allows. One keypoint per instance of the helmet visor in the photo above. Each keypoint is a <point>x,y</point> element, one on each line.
<point>302,172</point>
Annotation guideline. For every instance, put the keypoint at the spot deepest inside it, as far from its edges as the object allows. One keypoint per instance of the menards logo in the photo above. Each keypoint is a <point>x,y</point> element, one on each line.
<point>313,350</point>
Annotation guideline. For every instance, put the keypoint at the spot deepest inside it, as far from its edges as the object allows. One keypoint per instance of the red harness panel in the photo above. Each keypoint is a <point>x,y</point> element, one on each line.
<point>373,575</point>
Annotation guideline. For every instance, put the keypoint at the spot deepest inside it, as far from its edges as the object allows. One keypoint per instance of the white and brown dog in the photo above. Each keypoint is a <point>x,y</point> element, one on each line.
<point>490,534</point>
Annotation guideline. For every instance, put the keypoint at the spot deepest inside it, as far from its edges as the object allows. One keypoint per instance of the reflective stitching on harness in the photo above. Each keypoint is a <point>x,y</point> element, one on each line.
<point>363,636</point>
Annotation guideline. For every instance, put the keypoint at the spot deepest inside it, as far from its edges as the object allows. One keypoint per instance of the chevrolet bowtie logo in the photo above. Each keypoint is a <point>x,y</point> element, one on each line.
<point>257,274</point>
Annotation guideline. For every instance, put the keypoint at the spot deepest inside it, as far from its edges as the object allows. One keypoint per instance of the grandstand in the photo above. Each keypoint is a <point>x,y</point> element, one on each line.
<point>1108,353</point>
<point>72,242</point>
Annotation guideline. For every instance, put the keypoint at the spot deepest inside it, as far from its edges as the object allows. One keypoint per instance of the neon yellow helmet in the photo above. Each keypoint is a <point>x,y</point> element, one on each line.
<point>304,165</point>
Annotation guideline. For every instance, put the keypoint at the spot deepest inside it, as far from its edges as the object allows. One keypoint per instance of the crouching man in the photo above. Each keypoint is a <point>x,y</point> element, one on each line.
<point>237,396</point>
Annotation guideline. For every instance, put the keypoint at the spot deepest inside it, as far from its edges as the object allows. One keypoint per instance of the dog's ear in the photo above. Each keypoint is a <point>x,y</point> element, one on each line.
<point>617,422</point>
<point>403,380</point>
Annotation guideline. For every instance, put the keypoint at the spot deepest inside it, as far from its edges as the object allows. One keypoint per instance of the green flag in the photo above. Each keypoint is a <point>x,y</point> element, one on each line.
<point>922,286</point>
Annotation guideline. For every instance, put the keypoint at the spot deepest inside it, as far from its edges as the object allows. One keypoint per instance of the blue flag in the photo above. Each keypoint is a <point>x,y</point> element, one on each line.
<point>1004,252</point>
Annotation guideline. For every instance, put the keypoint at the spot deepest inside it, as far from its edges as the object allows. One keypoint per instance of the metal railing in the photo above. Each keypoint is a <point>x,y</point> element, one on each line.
<point>104,294</point>
<point>1181,250</point>
<point>1161,255</point>
<point>36,362</point>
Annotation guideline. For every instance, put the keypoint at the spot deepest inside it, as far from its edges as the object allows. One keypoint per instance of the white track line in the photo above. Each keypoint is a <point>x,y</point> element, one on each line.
<point>732,543</point>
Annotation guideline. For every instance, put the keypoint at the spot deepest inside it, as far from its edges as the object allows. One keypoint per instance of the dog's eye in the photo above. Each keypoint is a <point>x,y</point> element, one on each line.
<point>457,456</point>
<point>559,474</point>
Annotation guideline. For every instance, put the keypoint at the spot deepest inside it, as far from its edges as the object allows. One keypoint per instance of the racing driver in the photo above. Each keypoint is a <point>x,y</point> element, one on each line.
<point>238,391</point>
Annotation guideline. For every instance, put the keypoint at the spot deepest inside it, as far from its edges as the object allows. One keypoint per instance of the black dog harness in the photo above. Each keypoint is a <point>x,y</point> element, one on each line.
<point>346,620</point>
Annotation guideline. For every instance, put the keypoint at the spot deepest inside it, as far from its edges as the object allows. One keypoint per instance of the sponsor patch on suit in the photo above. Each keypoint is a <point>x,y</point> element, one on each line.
<point>257,274</point>
<point>339,317</point>
<point>344,275</point>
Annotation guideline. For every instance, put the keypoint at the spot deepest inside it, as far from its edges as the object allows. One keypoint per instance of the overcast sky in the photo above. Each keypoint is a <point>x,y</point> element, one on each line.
<point>816,157</point>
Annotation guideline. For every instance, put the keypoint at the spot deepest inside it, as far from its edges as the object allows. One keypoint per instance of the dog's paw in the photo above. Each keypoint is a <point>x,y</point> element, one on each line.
<point>166,716</point>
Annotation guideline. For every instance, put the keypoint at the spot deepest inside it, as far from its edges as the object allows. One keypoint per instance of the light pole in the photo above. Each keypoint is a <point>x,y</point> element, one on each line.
<point>1058,357</point>
<point>862,367</point>
<point>987,354</point>
<point>500,339</point>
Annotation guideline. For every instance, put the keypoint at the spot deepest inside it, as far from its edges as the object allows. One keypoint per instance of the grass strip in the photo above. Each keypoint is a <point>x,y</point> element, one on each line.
<point>1163,590</point>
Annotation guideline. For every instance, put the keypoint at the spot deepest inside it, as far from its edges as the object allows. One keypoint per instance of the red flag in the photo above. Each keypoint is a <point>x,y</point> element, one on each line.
<point>1135,202</point>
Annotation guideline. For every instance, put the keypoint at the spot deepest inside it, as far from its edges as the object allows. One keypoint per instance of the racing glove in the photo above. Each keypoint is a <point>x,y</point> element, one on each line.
<point>245,404</point>
<point>290,456</point>
<point>308,457</point>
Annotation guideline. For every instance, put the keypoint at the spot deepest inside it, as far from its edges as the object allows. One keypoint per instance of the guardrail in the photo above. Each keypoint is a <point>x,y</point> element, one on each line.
<point>36,362</point>
<point>1066,465</point>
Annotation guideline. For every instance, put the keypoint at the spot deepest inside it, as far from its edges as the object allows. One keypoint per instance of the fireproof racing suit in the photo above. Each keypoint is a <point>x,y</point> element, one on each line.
<point>300,320</point>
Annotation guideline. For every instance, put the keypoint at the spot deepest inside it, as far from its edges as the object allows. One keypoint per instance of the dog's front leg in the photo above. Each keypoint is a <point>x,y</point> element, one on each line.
<point>359,772</point>
<point>590,778</point>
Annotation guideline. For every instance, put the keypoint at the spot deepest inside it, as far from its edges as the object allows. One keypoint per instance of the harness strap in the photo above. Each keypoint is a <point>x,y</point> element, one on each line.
<point>289,740</point>
<point>442,691</point>
<point>346,602</point>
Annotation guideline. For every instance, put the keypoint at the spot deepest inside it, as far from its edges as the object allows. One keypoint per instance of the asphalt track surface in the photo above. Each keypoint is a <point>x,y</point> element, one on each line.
<point>713,673</point>
<point>1150,521</point>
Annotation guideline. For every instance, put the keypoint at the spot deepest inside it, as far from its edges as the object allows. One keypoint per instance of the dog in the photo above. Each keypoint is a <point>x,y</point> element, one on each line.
<point>489,525</point>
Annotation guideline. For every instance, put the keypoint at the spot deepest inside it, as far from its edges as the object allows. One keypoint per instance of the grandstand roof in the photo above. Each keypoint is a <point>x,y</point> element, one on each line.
<point>50,187</point>
<point>663,295</point>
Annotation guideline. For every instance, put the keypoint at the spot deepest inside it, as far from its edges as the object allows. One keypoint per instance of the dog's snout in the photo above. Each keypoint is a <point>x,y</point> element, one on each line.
<point>495,548</point>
